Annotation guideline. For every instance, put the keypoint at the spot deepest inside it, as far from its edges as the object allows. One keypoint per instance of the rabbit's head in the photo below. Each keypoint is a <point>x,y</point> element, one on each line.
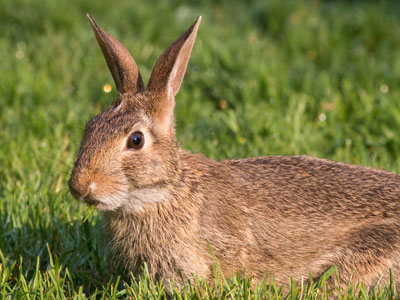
<point>129,155</point>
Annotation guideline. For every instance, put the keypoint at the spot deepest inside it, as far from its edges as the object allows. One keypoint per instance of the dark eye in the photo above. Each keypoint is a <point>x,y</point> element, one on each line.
<point>136,141</point>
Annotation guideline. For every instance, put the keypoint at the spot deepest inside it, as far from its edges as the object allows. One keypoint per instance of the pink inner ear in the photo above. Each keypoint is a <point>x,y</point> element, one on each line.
<point>167,76</point>
<point>171,66</point>
<point>163,113</point>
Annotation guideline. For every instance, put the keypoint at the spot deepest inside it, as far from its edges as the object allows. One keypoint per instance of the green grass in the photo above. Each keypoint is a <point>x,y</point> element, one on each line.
<point>299,77</point>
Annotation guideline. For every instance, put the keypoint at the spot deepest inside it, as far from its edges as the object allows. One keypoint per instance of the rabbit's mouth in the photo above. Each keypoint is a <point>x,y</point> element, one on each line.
<point>90,201</point>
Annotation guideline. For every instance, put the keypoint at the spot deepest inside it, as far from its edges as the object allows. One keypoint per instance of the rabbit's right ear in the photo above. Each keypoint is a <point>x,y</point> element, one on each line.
<point>167,75</point>
<point>121,64</point>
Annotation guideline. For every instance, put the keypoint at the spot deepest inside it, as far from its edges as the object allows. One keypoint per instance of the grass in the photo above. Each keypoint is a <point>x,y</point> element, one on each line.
<point>266,78</point>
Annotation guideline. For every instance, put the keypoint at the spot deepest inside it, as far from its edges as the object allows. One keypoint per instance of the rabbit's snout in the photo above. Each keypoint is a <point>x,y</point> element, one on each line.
<point>82,181</point>
<point>98,188</point>
<point>78,188</point>
<point>83,192</point>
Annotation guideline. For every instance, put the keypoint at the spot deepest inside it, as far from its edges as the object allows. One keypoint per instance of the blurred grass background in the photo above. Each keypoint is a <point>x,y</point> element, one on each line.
<point>266,77</point>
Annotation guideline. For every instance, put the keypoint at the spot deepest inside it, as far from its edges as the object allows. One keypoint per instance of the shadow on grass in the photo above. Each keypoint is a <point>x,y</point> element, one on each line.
<point>72,251</point>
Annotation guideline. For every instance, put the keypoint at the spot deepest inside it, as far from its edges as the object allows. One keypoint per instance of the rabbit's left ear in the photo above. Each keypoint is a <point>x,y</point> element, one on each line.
<point>167,75</point>
<point>121,64</point>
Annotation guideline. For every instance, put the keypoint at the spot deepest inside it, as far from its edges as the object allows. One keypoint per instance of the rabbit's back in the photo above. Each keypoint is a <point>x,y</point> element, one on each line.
<point>318,188</point>
<point>292,215</point>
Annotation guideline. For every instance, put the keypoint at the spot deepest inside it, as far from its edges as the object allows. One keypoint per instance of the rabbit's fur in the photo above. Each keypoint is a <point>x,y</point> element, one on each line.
<point>284,216</point>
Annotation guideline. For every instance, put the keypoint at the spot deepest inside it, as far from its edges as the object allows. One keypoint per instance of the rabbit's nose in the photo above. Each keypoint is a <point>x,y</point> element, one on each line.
<point>78,189</point>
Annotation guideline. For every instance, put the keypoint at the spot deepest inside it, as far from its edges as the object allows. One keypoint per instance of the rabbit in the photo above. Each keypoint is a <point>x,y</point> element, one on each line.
<point>179,212</point>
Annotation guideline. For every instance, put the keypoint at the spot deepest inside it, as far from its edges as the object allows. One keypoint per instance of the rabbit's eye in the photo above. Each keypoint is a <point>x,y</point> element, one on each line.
<point>136,141</point>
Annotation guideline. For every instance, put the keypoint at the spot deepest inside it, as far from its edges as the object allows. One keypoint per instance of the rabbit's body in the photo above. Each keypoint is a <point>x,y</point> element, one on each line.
<point>285,216</point>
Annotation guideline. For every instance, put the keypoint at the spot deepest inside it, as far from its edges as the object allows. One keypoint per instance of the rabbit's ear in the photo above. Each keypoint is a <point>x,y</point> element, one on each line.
<point>121,64</point>
<point>170,68</point>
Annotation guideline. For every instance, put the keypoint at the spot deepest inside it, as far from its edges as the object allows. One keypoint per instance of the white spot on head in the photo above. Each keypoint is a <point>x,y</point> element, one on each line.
<point>119,106</point>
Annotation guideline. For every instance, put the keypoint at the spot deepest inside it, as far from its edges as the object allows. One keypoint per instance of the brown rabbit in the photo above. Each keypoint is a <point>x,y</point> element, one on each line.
<point>284,216</point>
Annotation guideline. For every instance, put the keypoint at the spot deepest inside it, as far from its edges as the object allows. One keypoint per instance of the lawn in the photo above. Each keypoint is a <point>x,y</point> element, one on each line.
<point>266,78</point>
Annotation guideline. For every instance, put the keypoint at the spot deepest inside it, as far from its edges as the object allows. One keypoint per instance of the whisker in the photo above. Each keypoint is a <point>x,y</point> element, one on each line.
<point>57,172</point>
<point>68,165</point>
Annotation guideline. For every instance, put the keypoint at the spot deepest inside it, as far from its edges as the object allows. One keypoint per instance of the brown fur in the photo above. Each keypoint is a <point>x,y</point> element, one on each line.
<point>285,216</point>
